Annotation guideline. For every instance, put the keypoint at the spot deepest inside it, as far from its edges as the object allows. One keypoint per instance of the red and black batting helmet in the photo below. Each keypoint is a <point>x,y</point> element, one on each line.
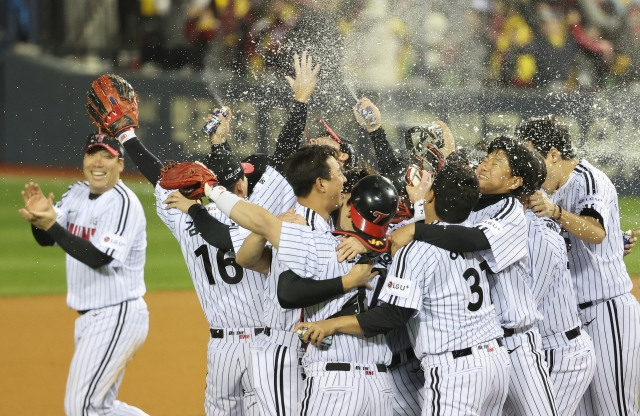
<point>373,204</point>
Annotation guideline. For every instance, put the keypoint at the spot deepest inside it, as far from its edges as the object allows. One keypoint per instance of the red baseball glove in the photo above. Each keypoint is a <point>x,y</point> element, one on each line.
<point>112,104</point>
<point>187,177</point>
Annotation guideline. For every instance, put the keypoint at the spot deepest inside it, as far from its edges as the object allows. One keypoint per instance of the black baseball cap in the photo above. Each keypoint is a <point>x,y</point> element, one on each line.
<point>260,161</point>
<point>110,144</point>
<point>227,167</point>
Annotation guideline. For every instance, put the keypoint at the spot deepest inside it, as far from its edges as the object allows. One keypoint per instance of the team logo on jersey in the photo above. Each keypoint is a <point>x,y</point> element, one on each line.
<point>80,231</point>
<point>589,199</point>
<point>114,241</point>
<point>398,287</point>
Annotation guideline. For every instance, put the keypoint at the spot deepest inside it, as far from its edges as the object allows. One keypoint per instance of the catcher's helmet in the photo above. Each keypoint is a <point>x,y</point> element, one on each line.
<point>373,204</point>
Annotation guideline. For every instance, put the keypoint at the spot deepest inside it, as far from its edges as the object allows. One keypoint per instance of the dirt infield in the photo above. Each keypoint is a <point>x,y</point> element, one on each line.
<point>166,377</point>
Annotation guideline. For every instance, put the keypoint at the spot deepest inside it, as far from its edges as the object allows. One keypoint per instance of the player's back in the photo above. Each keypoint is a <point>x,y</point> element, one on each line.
<point>598,270</point>
<point>230,296</point>
<point>455,307</point>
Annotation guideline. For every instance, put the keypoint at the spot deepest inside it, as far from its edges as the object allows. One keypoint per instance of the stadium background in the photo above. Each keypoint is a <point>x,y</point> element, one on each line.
<point>468,63</point>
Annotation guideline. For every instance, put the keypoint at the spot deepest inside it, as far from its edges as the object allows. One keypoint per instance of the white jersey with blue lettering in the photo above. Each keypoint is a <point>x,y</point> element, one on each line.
<point>115,224</point>
<point>319,260</point>
<point>229,298</point>
<point>598,270</point>
<point>505,227</point>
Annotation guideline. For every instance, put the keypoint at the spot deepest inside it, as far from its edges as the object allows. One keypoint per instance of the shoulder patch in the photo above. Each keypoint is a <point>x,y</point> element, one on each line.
<point>491,224</point>
<point>114,241</point>
<point>396,286</point>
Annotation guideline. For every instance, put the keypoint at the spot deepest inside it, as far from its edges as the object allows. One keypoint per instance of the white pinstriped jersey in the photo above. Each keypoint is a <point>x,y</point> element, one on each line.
<point>115,224</point>
<point>598,270</point>
<point>552,285</point>
<point>504,225</point>
<point>273,192</point>
<point>230,298</point>
<point>449,290</point>
<point>312,254</point>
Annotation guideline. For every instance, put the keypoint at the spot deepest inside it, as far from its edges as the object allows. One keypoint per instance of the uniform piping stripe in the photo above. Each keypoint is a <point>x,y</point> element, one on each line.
<point>122,314</point>
<point>124,214</point>
<point>307,397</point>
<point>284,352</point>
<point>506,210</point>
<point>545,380</point>
<point>435,401</point>
<point>617,357</point>
<point>275,379</point>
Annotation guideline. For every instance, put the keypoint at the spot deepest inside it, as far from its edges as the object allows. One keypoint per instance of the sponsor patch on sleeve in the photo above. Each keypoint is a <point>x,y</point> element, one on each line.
<point>113,241</point>
<point>395,286</point>
<point>590,199</point>
<point>493,225</point>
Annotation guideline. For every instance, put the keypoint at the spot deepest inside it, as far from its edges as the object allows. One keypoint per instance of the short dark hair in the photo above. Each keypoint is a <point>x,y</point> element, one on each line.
<point>546,132</point>
<point>521,161</point>
<point>456,191</point>
<point>305,166</point>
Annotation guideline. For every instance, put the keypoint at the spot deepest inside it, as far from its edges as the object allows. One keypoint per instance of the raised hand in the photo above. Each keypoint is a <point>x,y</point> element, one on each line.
<point>38,209</point>
<point>367,104</point>
<point>306,76</point>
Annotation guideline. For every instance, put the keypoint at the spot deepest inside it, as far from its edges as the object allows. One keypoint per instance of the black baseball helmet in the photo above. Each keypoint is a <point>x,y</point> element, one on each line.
<point>374,202</point>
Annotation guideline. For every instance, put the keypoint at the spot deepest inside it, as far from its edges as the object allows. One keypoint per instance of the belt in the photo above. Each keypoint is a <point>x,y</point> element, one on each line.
<point>347,367</point>
<point>512,331</point>
<point>468,351</point>
<point>591,303</point>
<point>396,360</point>
<point>573,333</point>
<point>219,333</point>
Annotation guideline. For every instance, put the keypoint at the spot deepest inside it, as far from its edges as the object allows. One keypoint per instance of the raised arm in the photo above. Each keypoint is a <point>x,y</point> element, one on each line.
<point>303,86</point>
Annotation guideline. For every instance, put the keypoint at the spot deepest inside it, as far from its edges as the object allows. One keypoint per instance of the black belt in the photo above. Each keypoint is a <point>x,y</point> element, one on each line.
<point>347,367</point>
<point>573,333</point>
<point>590,303</point>
<point>396,360</point>
<point>468,351</point>
<point>512,331</point>
<point>219,333</point>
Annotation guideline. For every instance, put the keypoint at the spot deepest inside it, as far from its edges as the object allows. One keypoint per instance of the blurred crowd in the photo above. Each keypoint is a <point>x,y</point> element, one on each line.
<point>557,44</point>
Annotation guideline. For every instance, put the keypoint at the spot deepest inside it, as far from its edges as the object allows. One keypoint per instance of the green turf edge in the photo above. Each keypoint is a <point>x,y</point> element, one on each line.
<point>28,269</point>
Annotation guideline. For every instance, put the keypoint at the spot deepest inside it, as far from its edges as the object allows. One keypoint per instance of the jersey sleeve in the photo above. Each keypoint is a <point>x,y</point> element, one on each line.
<point>273,192</point>
<point>405,278</point>
<point>298,250</point>
<point>590,196</point>
<point>119,225</point>
<point>506,232</point>
<point>171,217</point>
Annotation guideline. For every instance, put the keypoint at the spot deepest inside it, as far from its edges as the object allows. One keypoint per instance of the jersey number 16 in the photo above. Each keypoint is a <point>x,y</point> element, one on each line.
<point>222,263</point>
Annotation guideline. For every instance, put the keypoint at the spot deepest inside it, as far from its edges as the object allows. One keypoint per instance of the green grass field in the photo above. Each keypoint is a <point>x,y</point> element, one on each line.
<point>28,269</point>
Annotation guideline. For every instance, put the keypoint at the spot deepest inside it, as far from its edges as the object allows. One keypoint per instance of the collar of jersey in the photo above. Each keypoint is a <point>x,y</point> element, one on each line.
<point>314,220</point>
<point>488,200</point>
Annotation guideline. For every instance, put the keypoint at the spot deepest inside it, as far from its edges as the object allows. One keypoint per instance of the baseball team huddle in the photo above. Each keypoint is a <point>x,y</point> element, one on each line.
<point>433,285</point>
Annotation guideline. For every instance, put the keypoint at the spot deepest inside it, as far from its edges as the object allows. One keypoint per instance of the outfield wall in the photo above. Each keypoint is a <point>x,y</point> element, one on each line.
<point>43,122</point>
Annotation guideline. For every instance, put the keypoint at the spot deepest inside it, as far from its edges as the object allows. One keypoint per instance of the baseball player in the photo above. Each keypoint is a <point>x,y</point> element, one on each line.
<point>500,233</point>
<point>100,224</point>
<point>360,357</point>
<point>230,296</point>
<point>584,203</point>
<point>457,334</point>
